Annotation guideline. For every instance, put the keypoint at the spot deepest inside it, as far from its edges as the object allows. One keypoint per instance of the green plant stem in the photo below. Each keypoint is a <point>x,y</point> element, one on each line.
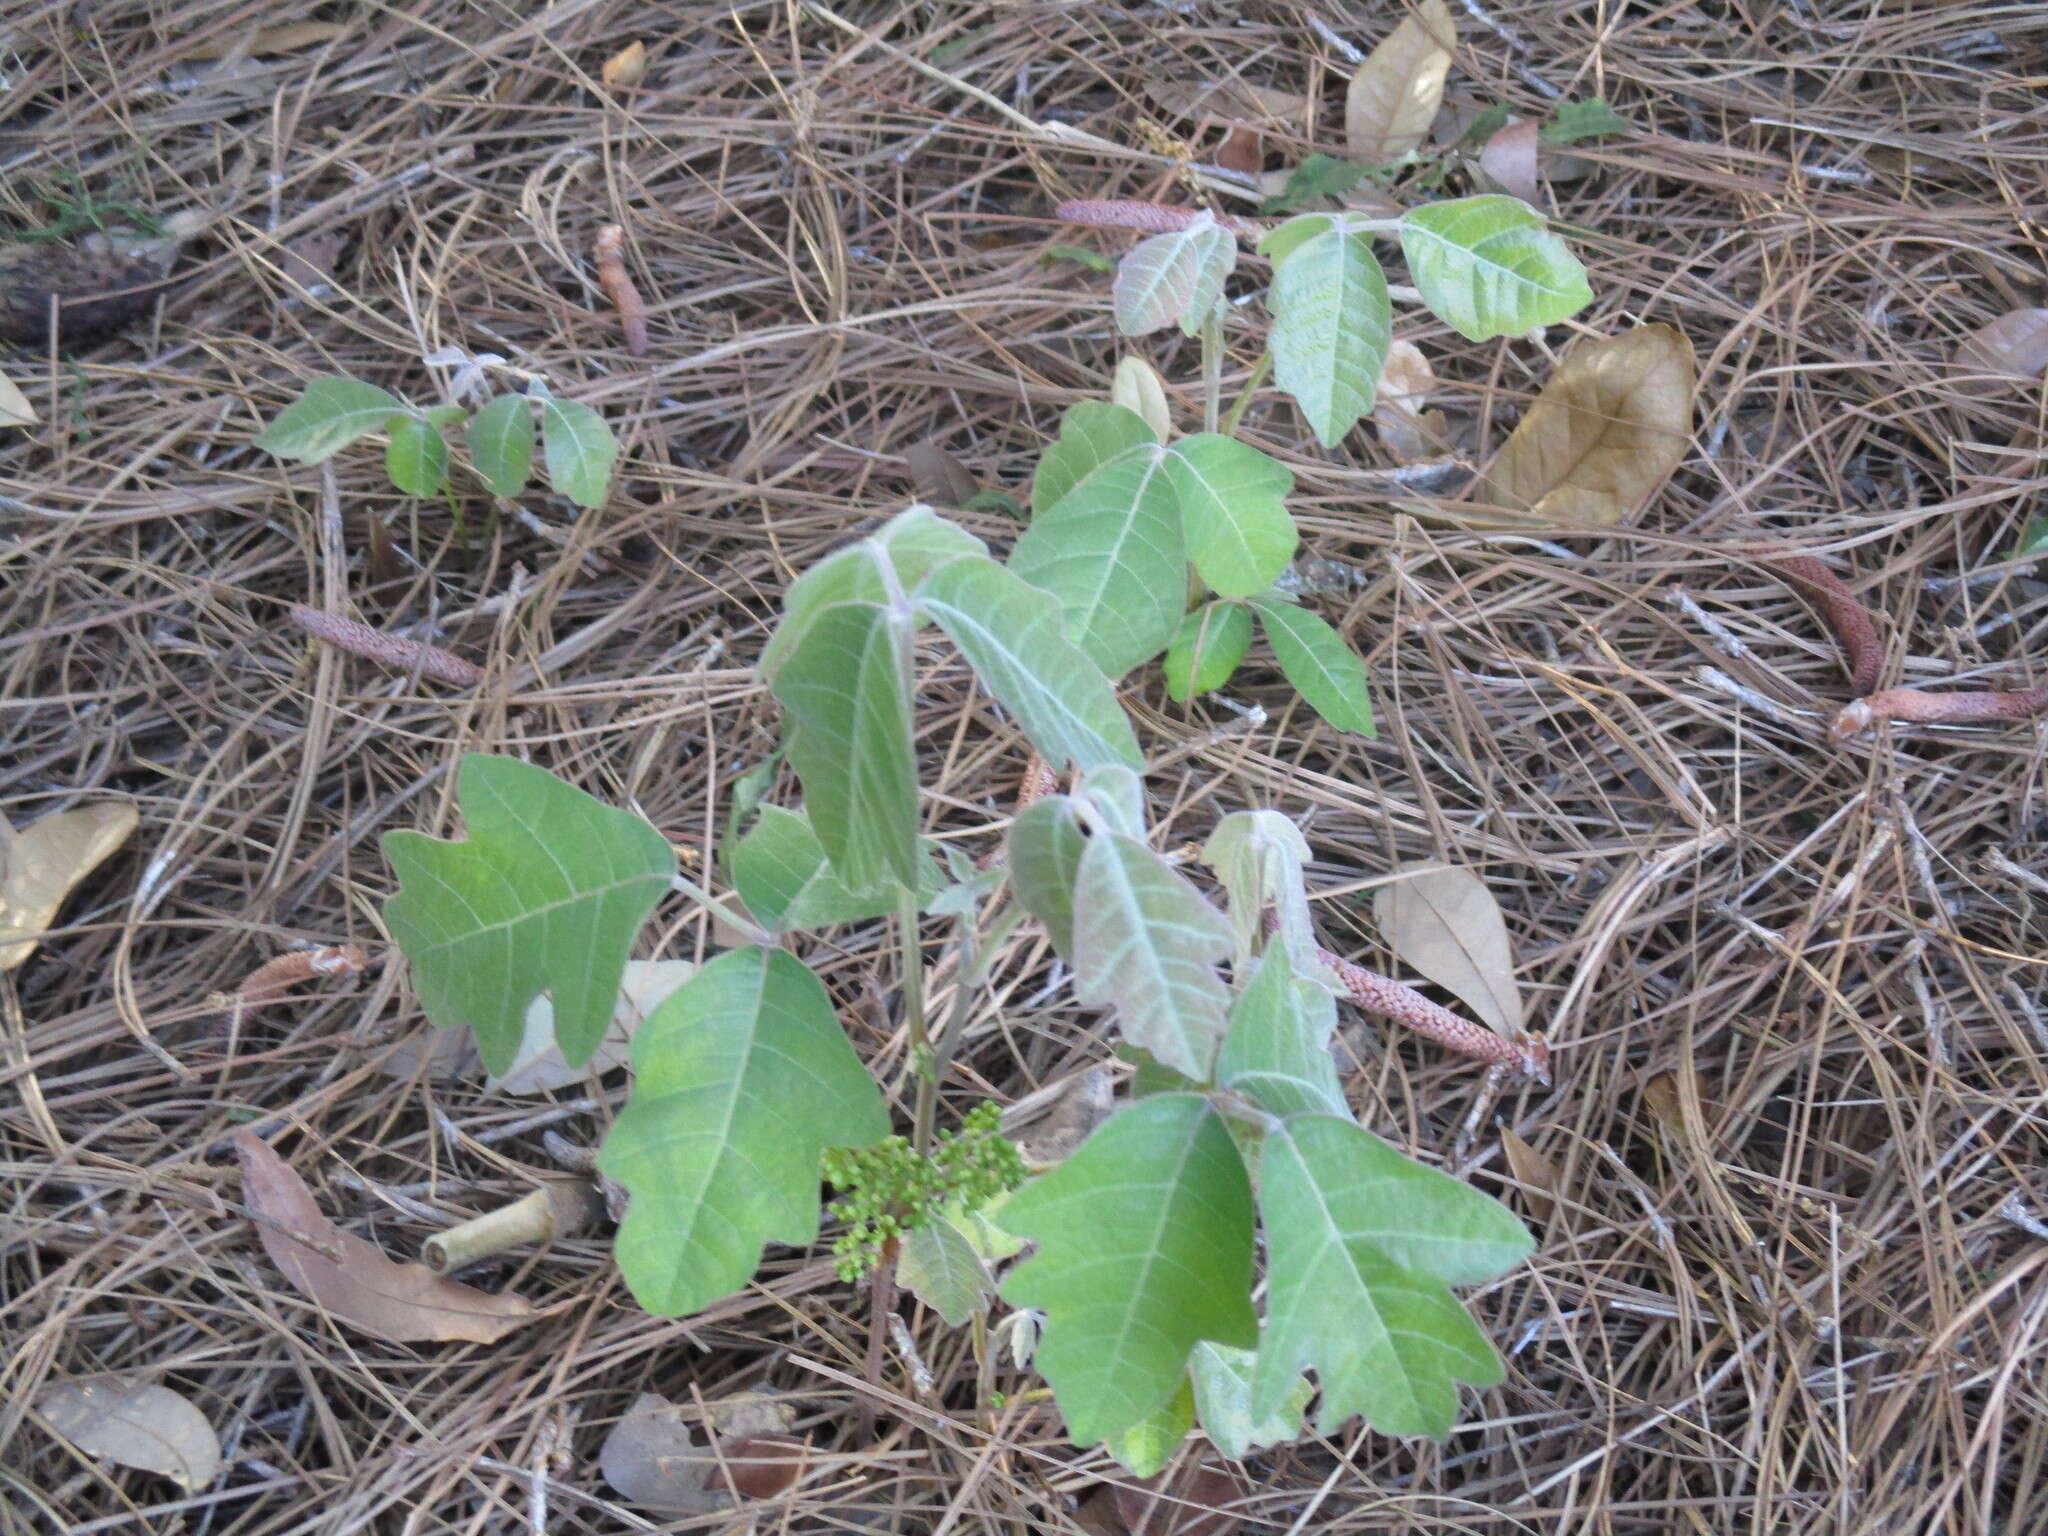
<point>913,1017</point>
<point>966,976</point>
<point>690,888</point>
<point>1212,368</point>
<point>1243,401</point>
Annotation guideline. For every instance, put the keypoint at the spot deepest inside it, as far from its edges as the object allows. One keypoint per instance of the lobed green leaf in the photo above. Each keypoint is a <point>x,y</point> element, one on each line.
<point>547,891</point>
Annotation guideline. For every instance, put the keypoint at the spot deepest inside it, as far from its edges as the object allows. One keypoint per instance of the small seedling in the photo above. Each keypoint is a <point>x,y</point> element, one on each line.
<point>577,447</point>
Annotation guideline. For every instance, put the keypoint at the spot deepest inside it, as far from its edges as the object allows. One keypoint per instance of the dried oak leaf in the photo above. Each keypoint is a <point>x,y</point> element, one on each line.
<point>138,1424</point>
<point>354,1280</point>
<point>1605,434</point>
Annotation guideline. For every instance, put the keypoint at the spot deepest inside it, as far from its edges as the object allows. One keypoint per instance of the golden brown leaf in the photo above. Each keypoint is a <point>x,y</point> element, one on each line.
<point>354,1280</point>
<point>1605,434</point>
<point>1396,92</point>
<point>1397,412</point>
<point>626,68</point>
<point>2012,346</point>
<point>137,1424</point>
<point>1446,924</point>
<point>42,864</point>
<point>1230,100</point>
<point>1534,1172</point>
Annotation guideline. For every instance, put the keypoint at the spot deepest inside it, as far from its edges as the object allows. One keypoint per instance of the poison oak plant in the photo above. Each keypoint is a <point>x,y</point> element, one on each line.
<point>1119,513</point>
<point>745,1087</point>
<point>577,447</point>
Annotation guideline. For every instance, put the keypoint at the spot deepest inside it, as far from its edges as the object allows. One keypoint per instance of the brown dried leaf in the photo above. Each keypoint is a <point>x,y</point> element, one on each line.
<point>269,40</point>
<point>15,411</point>
<point>2012,346</point>
<point>1446,924</point>
<point>1183,1503</point>
<point>539,1066</point>
<point>1509,162</point>
<point>626,68</point>
<point>42,864</point>
<point>309,261</point>
<point>353,1280</point>
<point>1396,92</point>
<point>1397,411</point>
<point>1605,434</point>
<point>135,1423</point>
<point>1243,151</point>
<point>760,1466</point>
<point>1063,1119</point>
<point>938,477</point>
<point>1535,1172</point>
<point>746,1415</point>
<point>651,1459</point>
<point>1230,100</point>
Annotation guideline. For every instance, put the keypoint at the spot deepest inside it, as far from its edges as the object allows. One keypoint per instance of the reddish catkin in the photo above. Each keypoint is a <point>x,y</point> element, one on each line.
<point>1146,218</point>
<point>1528,1055</point>
<point>1862,651</point>
<point>610,255</point>
<point>406,655</point>
<point>1916,707</point>
<point>272,979</point>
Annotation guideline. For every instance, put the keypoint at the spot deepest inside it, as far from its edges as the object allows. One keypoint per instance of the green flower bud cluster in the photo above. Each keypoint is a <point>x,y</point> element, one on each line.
<point>892,1190</point>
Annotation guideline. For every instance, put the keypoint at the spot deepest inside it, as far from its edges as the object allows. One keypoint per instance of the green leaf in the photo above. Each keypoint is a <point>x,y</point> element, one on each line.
<point>1147,1446</point>
<point>940,1267</point>
<point>417,458</point>
<point>578,448</point>
<point>1317,177</point>
<point>1177,276</point>
<point>1233,510</point>
<point>1093,434</point>
<point>911,545</point>
<point>778,857</point>
<point>1045,847</point>
<point>1576,120</point>
<point>1211,642</point>
<point>996,501</point>
<point>1222,1379</point>
<point>1323,669</point>
<point>1490,266</point>
<point>846,686</point>
<point>1484,126</point>
<point>1147,944</point>
<point>1094,261</point>
<point>2034,541</point>
<point>1144,1249</point>
<point>1332,325</point>
<point>1276,1053</point>
<point>1361,1246</point>
<point>1117,797</point>
<point>991,1244</point>
<point>1111,551</point>
<point>741,1079</point>
<point>546,892</point>
<point>1260,857</point>
<point>1010,632</point>
<point>328,416</point>
<point>501,444</point>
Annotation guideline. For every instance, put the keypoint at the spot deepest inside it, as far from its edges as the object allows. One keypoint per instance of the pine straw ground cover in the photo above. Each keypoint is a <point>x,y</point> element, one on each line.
<point>1792,986</point>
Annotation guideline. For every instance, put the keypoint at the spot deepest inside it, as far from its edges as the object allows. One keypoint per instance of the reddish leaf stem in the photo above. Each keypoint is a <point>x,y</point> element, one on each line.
<point>407,655</point>
<point>609,253</point>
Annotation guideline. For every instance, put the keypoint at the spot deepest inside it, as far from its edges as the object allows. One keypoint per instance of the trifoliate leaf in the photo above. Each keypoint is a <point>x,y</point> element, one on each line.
<point>1211,642</point>
<point>741,1079</point>
<point>416,457</point>
<point>500,438</point>
<point>1010,633</point>
<point>846,686</point>
<point>1362,1245</point>
<point>1277,1052</point>
<point>1147,944</point>
<point>548,890</point>
<point>579,450</point>
<point>326,418</point>
<point>1332,325</point>
<point>1233,509</point>
<point>1093,434</point>
<point>1323,669</point>
<point>1490,266</point>
<point>1177,276</point>
<point>1144,1249</point>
